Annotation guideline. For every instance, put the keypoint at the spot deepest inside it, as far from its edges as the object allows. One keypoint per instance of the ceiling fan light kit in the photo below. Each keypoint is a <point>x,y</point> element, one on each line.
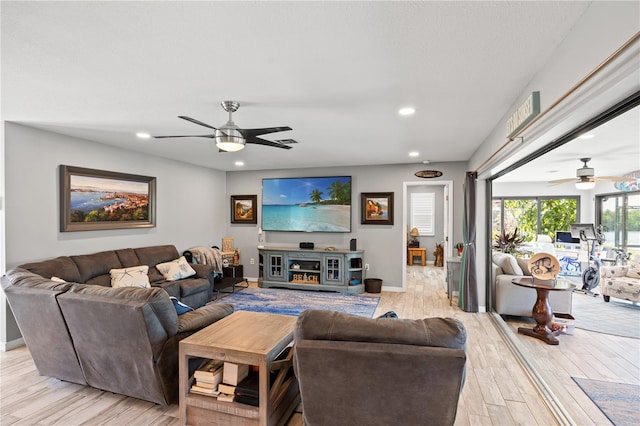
<point>585,184</point>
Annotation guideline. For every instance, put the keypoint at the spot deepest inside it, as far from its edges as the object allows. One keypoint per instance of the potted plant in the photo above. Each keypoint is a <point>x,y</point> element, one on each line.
<point>507,242</point>
<point>460,247</point>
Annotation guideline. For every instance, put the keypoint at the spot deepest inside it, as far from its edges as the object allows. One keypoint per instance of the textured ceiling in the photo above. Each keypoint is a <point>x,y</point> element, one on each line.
<point>336,72</point>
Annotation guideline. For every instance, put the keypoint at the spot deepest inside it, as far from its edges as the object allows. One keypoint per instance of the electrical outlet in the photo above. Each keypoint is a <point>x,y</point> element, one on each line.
<point>366,266</point>
<point>252,261</point>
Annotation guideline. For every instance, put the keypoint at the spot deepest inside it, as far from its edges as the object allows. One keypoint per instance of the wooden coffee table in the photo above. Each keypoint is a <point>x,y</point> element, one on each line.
<point>541,311</point>
<point>253,338</point>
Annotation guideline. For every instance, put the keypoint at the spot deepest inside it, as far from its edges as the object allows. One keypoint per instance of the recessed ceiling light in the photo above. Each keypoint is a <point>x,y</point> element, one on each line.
<point>414,154</point>
<point>587,136</point>
<point>143,135</point>
<point>406,111</point>
<point>239,163</point>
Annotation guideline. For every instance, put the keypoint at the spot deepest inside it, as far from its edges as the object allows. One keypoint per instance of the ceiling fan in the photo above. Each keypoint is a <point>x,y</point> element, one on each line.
<point>230,137</point>
<point>586,179</point>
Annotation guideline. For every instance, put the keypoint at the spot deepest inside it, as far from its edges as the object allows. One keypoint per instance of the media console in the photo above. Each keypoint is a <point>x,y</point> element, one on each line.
<point>316,269</point>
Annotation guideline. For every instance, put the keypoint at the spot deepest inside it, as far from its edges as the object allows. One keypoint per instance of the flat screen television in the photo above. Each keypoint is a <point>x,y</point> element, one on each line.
<point>312,204</point>
<point>564,237</point>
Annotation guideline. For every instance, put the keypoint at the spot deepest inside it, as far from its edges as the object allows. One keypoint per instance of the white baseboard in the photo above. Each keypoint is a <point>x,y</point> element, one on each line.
<point>7,346</point>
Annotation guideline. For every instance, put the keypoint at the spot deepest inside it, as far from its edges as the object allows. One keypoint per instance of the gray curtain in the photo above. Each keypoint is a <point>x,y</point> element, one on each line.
<point>468,299</point>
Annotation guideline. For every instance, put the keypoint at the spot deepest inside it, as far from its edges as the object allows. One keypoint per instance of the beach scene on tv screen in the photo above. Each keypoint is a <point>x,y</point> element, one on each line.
<point>317,204</point>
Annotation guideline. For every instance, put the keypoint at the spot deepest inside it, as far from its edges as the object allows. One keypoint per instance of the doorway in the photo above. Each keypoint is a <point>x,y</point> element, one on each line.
<point>441,206</point>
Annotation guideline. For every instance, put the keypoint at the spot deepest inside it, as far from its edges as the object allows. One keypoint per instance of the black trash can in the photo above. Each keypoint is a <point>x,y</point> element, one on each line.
<point>373,285</point>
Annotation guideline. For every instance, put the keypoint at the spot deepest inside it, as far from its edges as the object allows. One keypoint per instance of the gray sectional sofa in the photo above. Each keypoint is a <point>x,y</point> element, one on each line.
<point>123,340</point>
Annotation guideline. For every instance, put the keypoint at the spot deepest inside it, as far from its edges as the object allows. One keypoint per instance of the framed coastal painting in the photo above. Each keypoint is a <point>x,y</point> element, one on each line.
<point>97,199</point>
<point>376,208</point>
<point>244,209</point>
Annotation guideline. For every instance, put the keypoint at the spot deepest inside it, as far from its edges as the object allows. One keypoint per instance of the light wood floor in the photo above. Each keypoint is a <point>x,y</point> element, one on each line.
<point>497,390</point>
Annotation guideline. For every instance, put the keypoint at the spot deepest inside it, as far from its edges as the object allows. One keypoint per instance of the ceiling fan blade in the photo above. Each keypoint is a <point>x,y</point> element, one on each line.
<point>260,141</point>
<point>249,133</point>
<point>559,181</point>
<point>185,136</point>
<point>615,178</point>
<point>193,120</point>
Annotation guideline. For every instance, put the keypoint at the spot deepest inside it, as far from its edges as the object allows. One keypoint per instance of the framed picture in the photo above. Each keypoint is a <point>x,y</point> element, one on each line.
<point>376,208</point>
<point>227,244</point>
<point>96,199</point>
<point>244,209</point>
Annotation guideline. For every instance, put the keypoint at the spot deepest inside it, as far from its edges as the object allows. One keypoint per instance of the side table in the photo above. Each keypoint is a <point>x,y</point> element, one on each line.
<point>232,277</point>
<point>541,311</point>
<point>453,275</point>
<point>417,251</point>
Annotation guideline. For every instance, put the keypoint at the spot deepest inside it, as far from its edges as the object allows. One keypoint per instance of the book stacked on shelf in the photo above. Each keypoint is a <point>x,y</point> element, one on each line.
<point>207,378</point>
<point>247,391</point>
<point>232,375</point>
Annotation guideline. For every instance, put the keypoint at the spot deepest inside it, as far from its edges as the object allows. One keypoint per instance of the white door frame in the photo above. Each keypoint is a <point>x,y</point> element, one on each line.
<point>447,214</point>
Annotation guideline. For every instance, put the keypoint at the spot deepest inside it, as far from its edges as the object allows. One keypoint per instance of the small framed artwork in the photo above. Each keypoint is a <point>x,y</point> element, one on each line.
<point>227,244</point>
<point>376,208</point>
<point>97,199</point>
<point>244,209</point>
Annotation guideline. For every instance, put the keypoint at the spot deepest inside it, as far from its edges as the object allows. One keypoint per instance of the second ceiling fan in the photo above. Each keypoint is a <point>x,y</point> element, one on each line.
<point>586,179</point>
<point>230,137</point>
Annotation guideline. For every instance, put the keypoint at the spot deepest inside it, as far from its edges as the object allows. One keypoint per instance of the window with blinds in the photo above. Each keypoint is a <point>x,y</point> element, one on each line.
<point>422,212</point>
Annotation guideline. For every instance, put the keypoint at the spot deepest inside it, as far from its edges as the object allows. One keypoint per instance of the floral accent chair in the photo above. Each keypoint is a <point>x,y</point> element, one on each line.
<point>622,282</point>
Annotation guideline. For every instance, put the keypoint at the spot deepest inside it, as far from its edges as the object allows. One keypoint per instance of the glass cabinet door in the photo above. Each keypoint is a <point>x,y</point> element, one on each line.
<point>275,266</point>
<point>333,269</point>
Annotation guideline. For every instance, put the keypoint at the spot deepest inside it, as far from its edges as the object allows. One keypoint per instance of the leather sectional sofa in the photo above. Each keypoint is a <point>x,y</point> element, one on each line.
<point>123,340</point>
<point>384,371</point>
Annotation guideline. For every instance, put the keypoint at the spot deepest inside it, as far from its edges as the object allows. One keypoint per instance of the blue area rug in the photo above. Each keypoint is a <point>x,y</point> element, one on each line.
<point>293,302</point>
<point>618,401</point>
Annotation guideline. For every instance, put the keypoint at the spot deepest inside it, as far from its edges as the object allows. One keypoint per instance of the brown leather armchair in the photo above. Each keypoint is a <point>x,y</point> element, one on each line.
<point>360,371</point>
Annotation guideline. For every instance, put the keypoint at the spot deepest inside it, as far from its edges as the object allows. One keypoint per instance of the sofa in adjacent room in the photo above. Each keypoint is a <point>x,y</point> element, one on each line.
<point>622,282</point>
<point>119,339</point>
<point>361,371</point>
<point>512,299</point>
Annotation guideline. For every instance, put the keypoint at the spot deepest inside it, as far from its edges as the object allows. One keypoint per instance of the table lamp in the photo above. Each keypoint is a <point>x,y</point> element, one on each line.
<point>414,241</point>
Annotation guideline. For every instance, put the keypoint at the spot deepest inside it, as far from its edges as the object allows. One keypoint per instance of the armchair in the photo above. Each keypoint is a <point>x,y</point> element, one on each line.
<point>360,371</point>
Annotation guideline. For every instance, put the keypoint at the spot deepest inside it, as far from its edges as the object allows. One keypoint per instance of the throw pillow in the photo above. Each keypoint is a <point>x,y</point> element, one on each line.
<point>181,308</point>
<point>634,267</point>
<point>507,263</point>
<point>57,280</point>
<point>176,269</point>
<point>135,276</point>
<point>524,265</point>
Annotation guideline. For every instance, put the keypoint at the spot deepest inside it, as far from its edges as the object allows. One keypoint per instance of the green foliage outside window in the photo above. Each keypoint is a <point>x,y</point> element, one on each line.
<point>556,214</point>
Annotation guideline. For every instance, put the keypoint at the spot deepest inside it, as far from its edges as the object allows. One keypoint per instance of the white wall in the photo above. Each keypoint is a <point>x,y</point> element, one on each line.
<point>383,244</point>
<point>189,208</point>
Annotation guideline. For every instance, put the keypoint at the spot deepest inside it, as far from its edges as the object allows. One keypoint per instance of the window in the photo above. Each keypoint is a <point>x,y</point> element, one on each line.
<point>534,215</point>
<point>619,215</point>
<point>422,212</point>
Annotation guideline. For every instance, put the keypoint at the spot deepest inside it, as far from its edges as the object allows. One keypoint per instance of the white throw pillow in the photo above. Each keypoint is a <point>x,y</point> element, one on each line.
<point>57,280</point>
<point>135,276</point>
<point>634,267</point>
<point>507,263</point>
<point>176,269</point>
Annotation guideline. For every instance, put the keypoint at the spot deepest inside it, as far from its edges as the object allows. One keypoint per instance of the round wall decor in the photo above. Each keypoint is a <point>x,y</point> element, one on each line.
<point>427,174</point>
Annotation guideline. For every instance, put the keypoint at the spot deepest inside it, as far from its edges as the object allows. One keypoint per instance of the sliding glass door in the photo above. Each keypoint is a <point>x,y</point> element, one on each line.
<point>619,214</point>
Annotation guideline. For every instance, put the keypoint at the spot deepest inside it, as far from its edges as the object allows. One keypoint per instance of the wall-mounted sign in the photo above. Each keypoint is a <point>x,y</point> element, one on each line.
<point>523,115</point>
<point>428,174</point>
